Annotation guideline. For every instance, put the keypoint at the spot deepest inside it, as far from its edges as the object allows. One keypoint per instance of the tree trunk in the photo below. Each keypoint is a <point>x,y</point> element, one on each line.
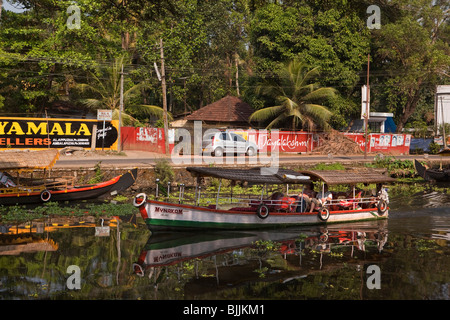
<point>125,40</point>
<point>410,106</point>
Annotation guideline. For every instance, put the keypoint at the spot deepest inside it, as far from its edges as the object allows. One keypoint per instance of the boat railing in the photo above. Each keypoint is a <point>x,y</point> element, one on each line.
<point>39,185</point>
<point>352,203</point>
<point>288,203</point>
<point>277,201</point>
<point>61,182</point>
<point>21,189</point>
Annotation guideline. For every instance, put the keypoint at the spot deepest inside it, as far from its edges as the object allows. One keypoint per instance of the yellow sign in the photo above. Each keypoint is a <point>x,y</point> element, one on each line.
<point>36,133</point>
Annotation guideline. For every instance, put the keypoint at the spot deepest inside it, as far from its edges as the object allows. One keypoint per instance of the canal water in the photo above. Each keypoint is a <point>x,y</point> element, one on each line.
<point>404,258</point>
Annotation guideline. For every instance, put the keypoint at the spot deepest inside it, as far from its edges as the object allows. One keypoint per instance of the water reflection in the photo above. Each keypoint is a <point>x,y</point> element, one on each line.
<point>35,255</point>
<point>120,259</point>
<point>171,248</point>
<point>419,201</point>
<point>214,261</point>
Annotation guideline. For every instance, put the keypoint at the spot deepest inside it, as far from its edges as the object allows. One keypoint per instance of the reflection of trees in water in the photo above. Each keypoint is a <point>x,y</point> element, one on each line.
<point>423,199</point>
<point>103,262</point>
<point>331,265</point>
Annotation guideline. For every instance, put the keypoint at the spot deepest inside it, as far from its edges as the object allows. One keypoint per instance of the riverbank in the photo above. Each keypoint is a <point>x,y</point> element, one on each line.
<point>165,170</point>
<point>109,164</point>
<point>143,159</point>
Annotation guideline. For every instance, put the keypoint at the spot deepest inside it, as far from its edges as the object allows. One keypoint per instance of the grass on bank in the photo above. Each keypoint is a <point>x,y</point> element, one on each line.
<point>21,213</point>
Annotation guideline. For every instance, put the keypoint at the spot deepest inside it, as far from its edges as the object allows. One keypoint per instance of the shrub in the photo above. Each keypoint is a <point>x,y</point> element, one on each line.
<point>164,171</point>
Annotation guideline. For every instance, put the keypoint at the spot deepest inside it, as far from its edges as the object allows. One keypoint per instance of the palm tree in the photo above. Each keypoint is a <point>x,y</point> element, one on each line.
<point>296,97</point>
<point>107,91</point>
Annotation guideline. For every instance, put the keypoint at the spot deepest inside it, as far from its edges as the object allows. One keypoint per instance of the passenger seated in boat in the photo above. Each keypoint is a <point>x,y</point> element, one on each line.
<point>288,203</point>
<point>279,201</point>
<point>307,195</point>
<point>351,202</point>
<point>321,198</point>
<point>370,199</point>
<point>6,180</point>
<point>275,200</point>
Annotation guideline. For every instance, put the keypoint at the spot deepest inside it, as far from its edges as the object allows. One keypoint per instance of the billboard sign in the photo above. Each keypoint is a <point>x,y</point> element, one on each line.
<point>37,133</point>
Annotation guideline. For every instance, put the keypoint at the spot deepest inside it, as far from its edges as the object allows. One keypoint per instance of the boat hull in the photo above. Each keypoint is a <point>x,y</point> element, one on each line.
<point>168,216</point>
<point>432,174</point>
<point>117,184</point>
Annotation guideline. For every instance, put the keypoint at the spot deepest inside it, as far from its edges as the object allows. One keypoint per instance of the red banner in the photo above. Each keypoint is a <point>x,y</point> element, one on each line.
<point>152,139</point>
<point>143,139</point>
<point>387,143</point>
<point>285,141</point>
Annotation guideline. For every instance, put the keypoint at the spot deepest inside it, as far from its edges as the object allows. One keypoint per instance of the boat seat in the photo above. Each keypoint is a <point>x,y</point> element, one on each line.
<point>345,204</point>
<point>60,182</point>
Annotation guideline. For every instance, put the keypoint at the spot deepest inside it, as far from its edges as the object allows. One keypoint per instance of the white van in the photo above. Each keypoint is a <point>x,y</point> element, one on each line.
<point>219,143</point>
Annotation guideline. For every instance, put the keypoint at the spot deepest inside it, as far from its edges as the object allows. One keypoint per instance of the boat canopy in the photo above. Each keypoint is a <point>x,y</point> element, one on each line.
<point>349,177</point>
<point>258,175</point>
<point>28,160</point>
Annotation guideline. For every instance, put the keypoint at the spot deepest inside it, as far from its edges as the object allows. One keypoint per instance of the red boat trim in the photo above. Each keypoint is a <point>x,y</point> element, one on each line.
<point>275,213</point>
<point>143,212</point>
<point>92,187</point>
<point>71,190</point>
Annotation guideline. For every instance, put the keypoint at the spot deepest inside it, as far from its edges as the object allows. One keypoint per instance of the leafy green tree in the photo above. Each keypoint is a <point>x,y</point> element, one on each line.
<point>414,52</point>
<point>203,43</point>
<point>41,57</point>
<point>106,89</point>
<point>214,48</point>
<point>296,96</point>
<point>330,35</point>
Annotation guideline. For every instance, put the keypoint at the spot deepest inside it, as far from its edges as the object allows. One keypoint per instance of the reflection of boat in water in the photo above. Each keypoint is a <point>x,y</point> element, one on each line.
<point>169,249</point>
<point>16,244</point>
<point>30,190</point>
<point>357,236</point>
<point>276,210</point>
<point>29,237</point>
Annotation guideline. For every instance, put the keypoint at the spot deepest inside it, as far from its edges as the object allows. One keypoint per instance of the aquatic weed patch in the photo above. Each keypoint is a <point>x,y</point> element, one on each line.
<point>22,213</point>
<point>395,167</point>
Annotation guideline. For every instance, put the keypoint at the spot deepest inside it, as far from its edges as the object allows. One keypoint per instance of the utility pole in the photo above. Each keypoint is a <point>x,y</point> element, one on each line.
<point>119,141</point>
<point>163,84</point>
<point>444,137</point>
<point>366,118</point>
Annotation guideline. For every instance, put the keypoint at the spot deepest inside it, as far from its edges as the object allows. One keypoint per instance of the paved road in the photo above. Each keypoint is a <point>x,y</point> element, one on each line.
<point>146,159</point>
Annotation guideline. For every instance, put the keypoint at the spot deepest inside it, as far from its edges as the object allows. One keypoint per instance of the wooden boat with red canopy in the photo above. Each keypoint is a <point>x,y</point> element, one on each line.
<point>280,209</point>
<point>24,180</point>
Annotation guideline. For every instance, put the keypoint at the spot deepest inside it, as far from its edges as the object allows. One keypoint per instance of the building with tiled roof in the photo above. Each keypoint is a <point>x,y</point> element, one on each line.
<point>227,112</point>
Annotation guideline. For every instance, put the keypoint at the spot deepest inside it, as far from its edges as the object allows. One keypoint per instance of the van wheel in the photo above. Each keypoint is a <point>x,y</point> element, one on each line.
<point>251,152</point>
<point>218,152</point>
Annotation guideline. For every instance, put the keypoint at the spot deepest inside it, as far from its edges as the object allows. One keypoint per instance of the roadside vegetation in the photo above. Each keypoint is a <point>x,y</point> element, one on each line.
<point>52,57</point>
